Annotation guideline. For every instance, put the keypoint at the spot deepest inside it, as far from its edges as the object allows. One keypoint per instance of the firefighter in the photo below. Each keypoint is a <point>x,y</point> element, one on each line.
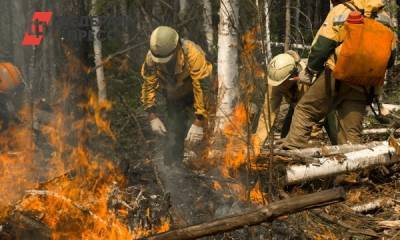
<point>346,71</point>
<point>10,84</point>
<point>178,70</point>
<point>284,83</point>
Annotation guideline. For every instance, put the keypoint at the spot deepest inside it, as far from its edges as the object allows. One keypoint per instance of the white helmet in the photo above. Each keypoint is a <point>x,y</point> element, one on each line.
<point>281,68</point>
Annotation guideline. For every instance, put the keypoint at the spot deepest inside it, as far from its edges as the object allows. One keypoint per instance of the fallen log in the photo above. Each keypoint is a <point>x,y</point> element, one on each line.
<point>265,214</point>
<point>378,131</point>
<point>327,150</point>
<point>376,204</point>
<point>390,224</point>
<point>328,166</point>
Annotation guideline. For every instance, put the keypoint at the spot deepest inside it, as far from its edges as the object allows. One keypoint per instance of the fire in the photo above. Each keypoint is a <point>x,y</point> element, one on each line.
<point>256,195</point>
<point>74,202</point>
<point>238,151</point>
<point>239,154</point>
<point>16,164</point>
<point>241,147</point>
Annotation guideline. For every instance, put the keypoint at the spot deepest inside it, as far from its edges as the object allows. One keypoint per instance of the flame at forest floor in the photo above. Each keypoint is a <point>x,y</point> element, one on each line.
<point>54,176</point>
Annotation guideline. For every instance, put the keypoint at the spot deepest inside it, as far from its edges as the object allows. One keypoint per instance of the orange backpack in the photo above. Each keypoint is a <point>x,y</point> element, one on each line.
<point>365,51</point>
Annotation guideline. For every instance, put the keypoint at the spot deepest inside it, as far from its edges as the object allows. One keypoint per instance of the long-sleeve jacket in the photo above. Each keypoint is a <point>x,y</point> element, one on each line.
<point>191,71</point>
<point>291,91</point>
<point>330,35</point>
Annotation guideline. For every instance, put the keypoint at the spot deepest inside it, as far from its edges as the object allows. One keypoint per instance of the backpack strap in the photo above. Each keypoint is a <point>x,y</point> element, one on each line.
<point>353,7</point>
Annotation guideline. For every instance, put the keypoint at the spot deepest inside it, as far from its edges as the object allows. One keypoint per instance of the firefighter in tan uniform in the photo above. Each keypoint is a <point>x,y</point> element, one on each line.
<point>176,69</point>
<point>327,93</point>
<point>283,83</point>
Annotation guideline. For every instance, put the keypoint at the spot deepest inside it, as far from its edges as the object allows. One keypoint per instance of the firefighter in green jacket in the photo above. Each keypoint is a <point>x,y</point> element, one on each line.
<point>326,94</point>
<point>178,70</point>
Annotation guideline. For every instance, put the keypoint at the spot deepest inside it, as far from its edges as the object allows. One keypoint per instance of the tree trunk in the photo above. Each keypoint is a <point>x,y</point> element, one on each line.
<point>228,72</point>
<point>207,25</point>
<point>265,214</point>
<point>98,56</point>
<point>297,20</point>
<point>124,12</point>
<point>317,14</point>
<point>267,31</point>
<point>287,26</point>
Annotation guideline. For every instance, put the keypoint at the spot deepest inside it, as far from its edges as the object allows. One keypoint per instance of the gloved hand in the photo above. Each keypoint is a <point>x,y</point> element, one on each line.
<point>158,126</point>
<point>195,134</point>
<point>307,76</point>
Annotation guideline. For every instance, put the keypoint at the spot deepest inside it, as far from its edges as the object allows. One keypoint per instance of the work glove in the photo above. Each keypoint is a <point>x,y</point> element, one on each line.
<point>157,126</point>
<point>195,134</point>
<point>307,76</point>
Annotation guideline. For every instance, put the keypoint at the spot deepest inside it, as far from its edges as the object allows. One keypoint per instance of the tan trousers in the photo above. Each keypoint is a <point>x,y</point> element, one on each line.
<point>324,96</point>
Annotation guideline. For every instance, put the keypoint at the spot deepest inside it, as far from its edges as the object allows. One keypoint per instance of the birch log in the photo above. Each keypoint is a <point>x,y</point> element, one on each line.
<point>379,155</point>
<point>378,203</point>
<point>207,25</point>
<point>98,56</point>
<point>329,150</point>
<point>378,131</point>
<point>228,72</point>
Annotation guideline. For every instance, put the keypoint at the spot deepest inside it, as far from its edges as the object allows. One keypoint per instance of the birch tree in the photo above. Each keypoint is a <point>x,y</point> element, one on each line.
<point>207,25</point>
<point>228,72</point>
<point>98,56</point>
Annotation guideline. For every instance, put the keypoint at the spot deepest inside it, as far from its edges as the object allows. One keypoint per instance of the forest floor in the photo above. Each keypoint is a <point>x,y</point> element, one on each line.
<point>337,221</point>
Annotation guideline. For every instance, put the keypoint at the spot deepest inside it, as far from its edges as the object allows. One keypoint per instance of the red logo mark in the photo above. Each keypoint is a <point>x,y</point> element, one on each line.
<point>40,21</point>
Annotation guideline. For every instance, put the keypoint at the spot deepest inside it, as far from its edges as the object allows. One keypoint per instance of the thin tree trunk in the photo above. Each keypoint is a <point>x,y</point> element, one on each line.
<point>228,72</point>
<point>317,13</point>
<point>267,31</point>
<point>124,12</point>
<point>207,24</point>
<point>287,26</point>
<point>97,47</point>
<point>297,19</point>
<point>183,8</point>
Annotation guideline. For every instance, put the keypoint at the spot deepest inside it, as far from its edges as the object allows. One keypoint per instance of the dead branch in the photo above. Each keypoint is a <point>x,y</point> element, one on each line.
<point>265,214</point>
<point>351,229</point>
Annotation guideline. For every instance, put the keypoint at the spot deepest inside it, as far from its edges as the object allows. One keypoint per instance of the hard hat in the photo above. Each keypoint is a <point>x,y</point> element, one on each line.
<point>280,68</point>
<point>10,77</point>
<point>163,42</point>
